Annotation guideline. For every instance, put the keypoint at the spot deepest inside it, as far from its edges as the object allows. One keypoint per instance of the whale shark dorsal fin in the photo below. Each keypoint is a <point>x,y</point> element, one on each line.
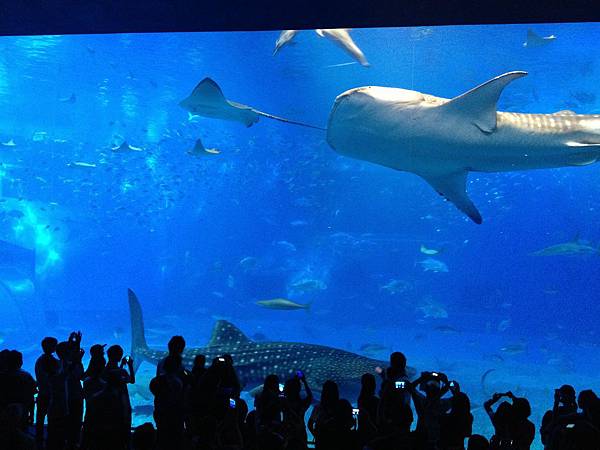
<point>479,104</point>
<point>453,186</point>
<point>226,333</point>
<point>564,112</point>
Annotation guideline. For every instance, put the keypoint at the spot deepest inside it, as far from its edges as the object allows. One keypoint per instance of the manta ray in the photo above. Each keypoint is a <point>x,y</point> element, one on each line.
<point>255,360</point>
<point>207,100</point>
<point>200,150</point>
<point>534,40</point>
<point>442,140</point>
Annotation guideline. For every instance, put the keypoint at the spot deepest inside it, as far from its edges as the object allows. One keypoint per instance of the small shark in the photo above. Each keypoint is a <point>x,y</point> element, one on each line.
<point>534,40</point>
<point>207,100</point>
<point>576,247</point>
<point>255,360</point>
<point>442,140</point>
<point>285,38</point>
<point>200,150</point>
<point>340,36</point>
<point>282,304</point>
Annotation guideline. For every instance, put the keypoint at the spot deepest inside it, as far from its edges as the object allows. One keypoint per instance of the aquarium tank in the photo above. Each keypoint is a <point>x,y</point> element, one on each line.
<point>448,208</point>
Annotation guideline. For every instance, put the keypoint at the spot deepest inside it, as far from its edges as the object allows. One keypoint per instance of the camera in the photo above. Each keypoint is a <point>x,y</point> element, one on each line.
<point>221,359</point>
<point>355,412</point>
<point>232,403</point>
<point>400,384</point>
<point>435,374</point>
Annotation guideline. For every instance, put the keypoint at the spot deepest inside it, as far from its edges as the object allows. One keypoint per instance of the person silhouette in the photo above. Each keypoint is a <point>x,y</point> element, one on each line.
<point>42,376</point>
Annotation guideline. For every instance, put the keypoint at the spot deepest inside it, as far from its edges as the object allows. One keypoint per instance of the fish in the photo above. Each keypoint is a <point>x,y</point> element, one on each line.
<point>308,285</point>
<point>70,99</point>
<point>446,329</point>
<point>341,36</point>
<point>126,148</point>
<point>255,360</point>
<point>248,263</point>
<point>283,304</point>
<point>442,140</point>
<point>285,38</point>
<point>394,287</point>
<point>429,251</point>
<point>207,100</point>
<point>535,40</point>
<point>81,164</point>
<point>433,265</point>
<point>287,246</point>
<point>576,247</point>
<point>200,150</point>
<point>514,349</point>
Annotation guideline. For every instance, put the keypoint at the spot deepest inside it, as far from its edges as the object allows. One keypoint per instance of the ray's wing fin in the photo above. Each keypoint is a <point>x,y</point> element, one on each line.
<point>207,91</point>
<point>479,105</point>
<point>225,333</point>
<point>453,186</point>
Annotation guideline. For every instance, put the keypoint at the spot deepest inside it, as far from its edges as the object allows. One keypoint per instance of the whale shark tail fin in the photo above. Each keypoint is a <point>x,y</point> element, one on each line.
<point>138,337</point>
<point>453,187</point>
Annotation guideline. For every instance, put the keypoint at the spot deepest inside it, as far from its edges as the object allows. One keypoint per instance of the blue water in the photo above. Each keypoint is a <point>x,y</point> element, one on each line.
<point>176,228</point>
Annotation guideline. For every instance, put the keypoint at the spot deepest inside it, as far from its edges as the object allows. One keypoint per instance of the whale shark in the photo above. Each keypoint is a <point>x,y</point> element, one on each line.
<point>439,139</point>
<point>255,360</point>
<point>442,140</point>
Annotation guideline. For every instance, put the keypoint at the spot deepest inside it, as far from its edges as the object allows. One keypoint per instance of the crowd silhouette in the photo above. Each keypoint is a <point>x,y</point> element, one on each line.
<point>66,407</point>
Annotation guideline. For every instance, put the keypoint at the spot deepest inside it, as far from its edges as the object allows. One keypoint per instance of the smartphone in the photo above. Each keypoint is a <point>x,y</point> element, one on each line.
<point>232,403</point>
<point>400,384</point>
<point>300,374</point>
<point>435,374</point>
<point>221,359</point>
<point>280,387</point>
<point>355,412</point>
<point>570,425</point>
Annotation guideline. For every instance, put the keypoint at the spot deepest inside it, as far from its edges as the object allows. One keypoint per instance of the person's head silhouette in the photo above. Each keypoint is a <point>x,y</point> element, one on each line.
<point>49,345</point>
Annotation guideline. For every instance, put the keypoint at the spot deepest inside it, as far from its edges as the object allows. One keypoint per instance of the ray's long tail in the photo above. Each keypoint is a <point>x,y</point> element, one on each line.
<point>138,337</point>
<point>283,119</point>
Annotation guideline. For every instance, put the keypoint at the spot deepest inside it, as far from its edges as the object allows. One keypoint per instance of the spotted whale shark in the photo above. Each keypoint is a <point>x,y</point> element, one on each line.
<point>255,360</point>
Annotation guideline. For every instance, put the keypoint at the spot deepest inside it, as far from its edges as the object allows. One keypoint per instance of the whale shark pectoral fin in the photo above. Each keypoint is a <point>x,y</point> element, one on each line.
<point>453,186</point>
<point>225,333</point>
<point>320,32</point>
<point>479,105</point>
